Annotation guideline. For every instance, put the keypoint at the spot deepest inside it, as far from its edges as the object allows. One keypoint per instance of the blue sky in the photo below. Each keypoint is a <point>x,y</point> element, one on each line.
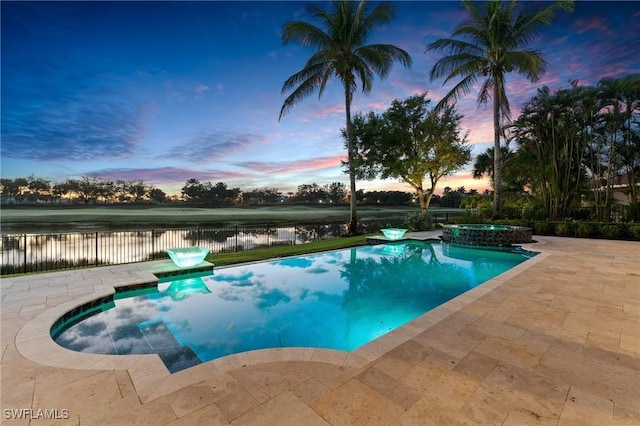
<point>168,91</point>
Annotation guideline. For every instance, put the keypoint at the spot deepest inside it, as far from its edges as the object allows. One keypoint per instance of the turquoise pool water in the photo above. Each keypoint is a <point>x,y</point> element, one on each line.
<point>339,300</point>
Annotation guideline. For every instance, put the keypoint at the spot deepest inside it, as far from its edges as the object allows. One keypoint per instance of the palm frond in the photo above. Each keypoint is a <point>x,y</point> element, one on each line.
<point>341,49</point>
<point>457,65</point>
<point>485,93</point>
<point>526,28</point>
<point>529,63</point>
<point>462,88</point>
<point>304,34</point>
<point>303,90</point>
<point>455,47</point>
<point>380,57</point>
<point>307,73</point>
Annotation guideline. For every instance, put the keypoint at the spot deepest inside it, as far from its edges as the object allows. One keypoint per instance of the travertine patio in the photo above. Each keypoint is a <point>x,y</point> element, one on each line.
<point>554,341</point>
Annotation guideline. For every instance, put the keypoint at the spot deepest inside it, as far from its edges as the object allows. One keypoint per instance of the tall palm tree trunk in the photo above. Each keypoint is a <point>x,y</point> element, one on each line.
<point>497,153</point>
<point>353,220</point>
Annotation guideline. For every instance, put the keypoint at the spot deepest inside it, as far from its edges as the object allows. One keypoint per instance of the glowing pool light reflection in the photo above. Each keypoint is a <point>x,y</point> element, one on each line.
<point>180,289</point>
<point>393,233</point>
<point>188,256</point>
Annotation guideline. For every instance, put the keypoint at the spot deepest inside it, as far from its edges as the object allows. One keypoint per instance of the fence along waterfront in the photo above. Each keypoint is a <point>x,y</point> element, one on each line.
<point>24,253</point>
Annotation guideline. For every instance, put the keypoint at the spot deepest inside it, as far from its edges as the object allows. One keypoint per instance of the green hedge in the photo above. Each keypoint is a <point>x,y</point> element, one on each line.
<point>572,228</point>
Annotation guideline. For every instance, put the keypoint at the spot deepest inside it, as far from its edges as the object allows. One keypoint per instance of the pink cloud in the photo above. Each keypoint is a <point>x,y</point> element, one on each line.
<point>167,175</point>
<point>329,110</point>
<point>596,23</point>
<point>560,40</point>
<point>296,166</point>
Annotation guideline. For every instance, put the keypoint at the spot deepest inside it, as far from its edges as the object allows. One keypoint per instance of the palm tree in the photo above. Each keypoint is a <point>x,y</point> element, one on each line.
<point>341,51</point>
<point>492,44</point>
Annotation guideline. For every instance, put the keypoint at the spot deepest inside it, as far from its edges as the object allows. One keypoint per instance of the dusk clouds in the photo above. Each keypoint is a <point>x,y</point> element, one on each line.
<point>168,91</point>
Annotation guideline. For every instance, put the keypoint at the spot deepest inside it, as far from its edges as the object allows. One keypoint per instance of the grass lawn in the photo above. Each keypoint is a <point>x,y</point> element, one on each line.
<point>39,219</point>
<point>254,255</point>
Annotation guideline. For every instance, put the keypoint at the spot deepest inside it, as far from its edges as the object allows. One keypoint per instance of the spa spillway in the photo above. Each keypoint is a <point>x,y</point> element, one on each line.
<point>486,235</point>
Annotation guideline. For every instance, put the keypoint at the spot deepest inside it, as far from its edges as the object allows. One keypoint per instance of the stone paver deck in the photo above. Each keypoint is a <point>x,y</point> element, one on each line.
<point>555,340</point>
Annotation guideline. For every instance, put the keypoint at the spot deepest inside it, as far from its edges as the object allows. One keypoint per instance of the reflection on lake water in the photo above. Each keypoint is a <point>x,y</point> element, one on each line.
<point>338,300</point>
<point>102,248</point>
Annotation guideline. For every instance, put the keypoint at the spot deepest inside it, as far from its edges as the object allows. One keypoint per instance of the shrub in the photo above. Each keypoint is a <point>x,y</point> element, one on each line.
<point>485,212</point>
<point>566,229</point>
<point>469,218</point>
<point>511,212</point>
<point>544,228</point>
<point>634,232</point>
<point>419,222</point>
<point>586,230</point>
<point>633,212</point>
<point>613,230</point>
<point>529,213</point>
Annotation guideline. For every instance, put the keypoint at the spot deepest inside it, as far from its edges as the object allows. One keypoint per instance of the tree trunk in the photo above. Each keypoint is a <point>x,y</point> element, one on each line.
<point>497,153</point>
<point>422,199</point>
<point>353,221</point>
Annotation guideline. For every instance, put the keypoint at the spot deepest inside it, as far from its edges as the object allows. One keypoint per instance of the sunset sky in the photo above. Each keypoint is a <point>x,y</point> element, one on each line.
<point>167,91</point>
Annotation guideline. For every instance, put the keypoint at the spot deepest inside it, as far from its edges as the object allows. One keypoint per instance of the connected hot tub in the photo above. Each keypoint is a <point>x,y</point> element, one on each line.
<point>486,235</point>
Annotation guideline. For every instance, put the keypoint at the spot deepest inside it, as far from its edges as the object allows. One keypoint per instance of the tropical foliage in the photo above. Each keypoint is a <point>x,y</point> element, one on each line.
<point>341,51</point>
<point>489,45</point>
<point>574,145</point>
<point>410,142</point>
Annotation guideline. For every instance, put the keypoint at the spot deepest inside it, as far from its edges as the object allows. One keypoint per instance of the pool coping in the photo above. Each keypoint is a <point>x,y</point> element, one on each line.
<point>151,377</point>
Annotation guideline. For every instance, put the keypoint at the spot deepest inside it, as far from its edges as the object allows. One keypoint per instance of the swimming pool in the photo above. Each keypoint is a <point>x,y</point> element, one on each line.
<point>337,300</point>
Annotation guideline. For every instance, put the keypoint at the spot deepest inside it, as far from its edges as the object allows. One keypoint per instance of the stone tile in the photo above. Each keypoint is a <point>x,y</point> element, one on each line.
<point>354,403</point>
<point>17,394</point>
<point>428,412</point>
<point>209,415</point>
<point>576,368</point>
<point>484,328</point>
<point>221,384</point>
<point>235,401</point>
<point>410,352</point>
<point>309,390</point>
<point>537,395</point>
<point>79,396</point>
<point>447,387</point>
<point>284,409</point>
<point>191,398</point>
<point>582,407</point>
<point>393,367</point>
<point>389,387</point>
<point>630,344</point>
<point>626,407</point>
<point>602,354</point>
<point>264,381</point>
<point>9,311</point>
<point>447,341</point>
<point>56,377</point>
<point>443,359</point>
<point>487,406</point>
<point>523,416</point>
<point>516,352</point>
<point>476,366</point>
<point>129,411</point>
<point>328,374</point>
<point>9,353</point>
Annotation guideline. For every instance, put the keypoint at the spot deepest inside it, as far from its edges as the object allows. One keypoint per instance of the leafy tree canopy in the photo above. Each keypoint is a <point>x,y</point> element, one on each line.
<point>411,142</point>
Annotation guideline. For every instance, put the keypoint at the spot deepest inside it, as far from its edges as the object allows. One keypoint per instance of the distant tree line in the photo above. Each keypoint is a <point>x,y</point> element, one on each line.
<point>86,190</point>
<point>91,190</point>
